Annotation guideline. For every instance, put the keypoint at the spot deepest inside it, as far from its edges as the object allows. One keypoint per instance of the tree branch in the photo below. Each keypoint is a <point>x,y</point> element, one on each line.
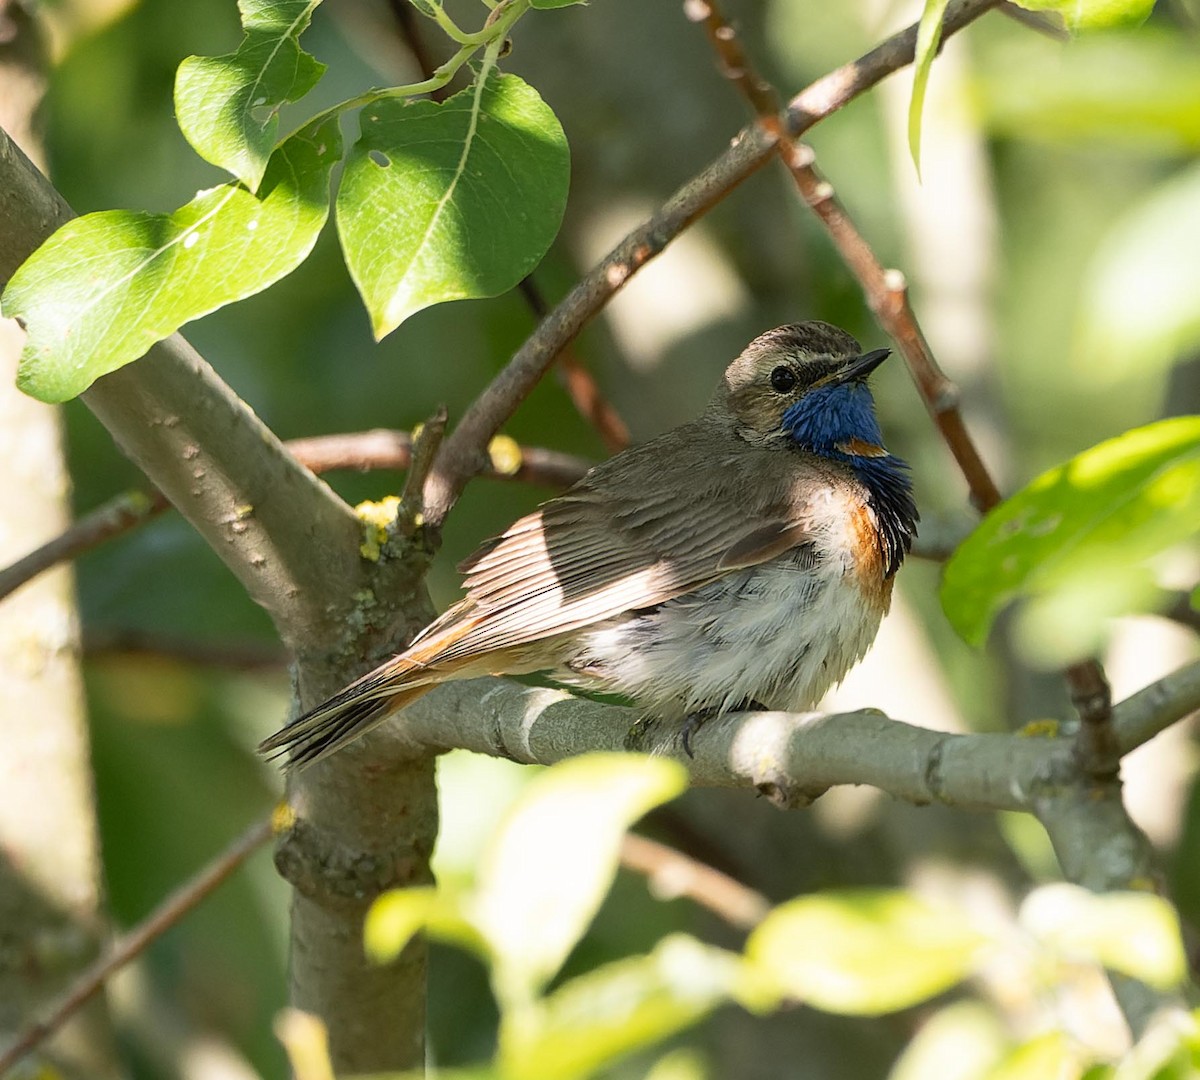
<point>132,944</point>
<point>463,454</point>
<point>362,451</point>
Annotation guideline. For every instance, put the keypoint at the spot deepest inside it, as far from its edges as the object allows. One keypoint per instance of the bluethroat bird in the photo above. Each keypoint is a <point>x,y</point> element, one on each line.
<point>742,560</point>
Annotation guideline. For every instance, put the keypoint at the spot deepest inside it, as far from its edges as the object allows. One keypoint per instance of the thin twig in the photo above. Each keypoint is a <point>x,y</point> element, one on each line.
<point>426,438</point>
<point>132,944</point>
<point>579,383</point>
<point>1040,22</point>
<point>114,518</point>
<point>235,655</point>
<point>464,452</point>
<point>670,874</point>
<point>886,293</point>
<point>362,451</point>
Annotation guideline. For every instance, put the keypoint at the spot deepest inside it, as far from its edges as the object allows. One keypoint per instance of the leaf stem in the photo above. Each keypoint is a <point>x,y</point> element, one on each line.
<point>504,16</point>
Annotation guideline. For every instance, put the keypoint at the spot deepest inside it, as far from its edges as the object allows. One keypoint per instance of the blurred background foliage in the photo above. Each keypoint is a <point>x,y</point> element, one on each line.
<point>1054,253</point>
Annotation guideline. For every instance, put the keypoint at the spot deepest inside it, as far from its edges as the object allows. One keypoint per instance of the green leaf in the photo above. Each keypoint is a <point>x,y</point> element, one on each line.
<point>398,915</point>
<point>555,857</point>
<point>1138,311</point>
<point>106,287</point>
<point>1134,933</point>
<point>1169,1050</point>
<point>929,36</point>
<point>546,5</point>
<point>1119,502</point>
<point>1047,1057</point>
<point>444,201</point>
<point>1137,89</point>
<point>863,952</point>
<point>596,1018</point>
<point>228,106</point>
<point>960,1042</point>
<point>1094,14</point>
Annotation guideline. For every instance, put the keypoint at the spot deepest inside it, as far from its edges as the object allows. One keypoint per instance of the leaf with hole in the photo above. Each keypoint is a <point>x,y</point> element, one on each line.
<point>106,287</point>
<point>1096,516</point>
<point>228,106</point>
<point>445,201</point>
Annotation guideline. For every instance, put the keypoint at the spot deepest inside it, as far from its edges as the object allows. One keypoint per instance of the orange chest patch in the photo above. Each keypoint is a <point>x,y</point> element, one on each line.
<point>868,558</point>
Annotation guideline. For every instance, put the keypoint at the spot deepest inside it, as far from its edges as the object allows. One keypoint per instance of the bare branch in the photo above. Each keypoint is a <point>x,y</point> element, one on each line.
<point>236,655</point>
<point>362,451</point>
<point>114,518</point>
<point>132,944</point>
<point>426,439</point>
<point>791,757</point>
<point>580,385</point>
<point>670,874</point>
<point>463,454</point>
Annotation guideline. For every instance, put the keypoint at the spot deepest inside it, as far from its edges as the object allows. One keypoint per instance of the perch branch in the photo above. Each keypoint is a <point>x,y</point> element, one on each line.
<point>464,452</point>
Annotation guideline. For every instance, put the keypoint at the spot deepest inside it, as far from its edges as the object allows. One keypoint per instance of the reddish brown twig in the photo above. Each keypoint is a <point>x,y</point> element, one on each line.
<point>887,295</point>
<point>464,452</point>
<point>132,944</point>
<point>671,873</point>
<point>361,451</point>
<point>579,383</point>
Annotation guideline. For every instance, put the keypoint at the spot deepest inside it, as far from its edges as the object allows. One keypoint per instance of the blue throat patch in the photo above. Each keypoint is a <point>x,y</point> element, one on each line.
<point>839,414</point>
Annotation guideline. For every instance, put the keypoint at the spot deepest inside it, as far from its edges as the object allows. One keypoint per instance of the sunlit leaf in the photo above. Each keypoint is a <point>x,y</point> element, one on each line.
<point>106,287</point>
<point>554,859</point>
<point>680,1064</point>
<point>1094,14</point>
<point>547,4</point>
<point>1134,933</point>
<point>863,952</point>
<point>443,201</point>
<point>1138,310</point>
<point>960,1042</point>
<point>623,1006</point>
<point>929,35</point>
<point>1139,90</point>
<point>1046,1057</point>
<point>1169,1050</point>
<point>1121,501</point>
<point>398,915</point>
<point>228,106</point>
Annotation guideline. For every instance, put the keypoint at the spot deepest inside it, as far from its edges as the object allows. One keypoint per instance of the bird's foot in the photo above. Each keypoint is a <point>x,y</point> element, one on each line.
<point>691,724</point>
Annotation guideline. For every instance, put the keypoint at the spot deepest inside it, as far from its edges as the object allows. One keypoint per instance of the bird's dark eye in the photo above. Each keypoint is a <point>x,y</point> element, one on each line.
<point>782,379</point>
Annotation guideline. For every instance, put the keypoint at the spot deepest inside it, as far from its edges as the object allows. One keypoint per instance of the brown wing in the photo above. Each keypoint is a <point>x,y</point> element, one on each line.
<point>644,527</point>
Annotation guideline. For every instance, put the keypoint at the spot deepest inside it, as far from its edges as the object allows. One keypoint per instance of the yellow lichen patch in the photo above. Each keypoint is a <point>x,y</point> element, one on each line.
<point>505,455</point>
<point>376,517</point>
<point>242,512</point>
<point>1040,729</point>
<point>283,817</point>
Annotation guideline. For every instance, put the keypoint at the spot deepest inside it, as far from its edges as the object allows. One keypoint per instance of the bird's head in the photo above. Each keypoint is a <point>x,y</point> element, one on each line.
<point>804,384</point>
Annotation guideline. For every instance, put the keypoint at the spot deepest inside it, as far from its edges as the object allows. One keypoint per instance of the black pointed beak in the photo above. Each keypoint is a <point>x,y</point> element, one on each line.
<point>859,367</point>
